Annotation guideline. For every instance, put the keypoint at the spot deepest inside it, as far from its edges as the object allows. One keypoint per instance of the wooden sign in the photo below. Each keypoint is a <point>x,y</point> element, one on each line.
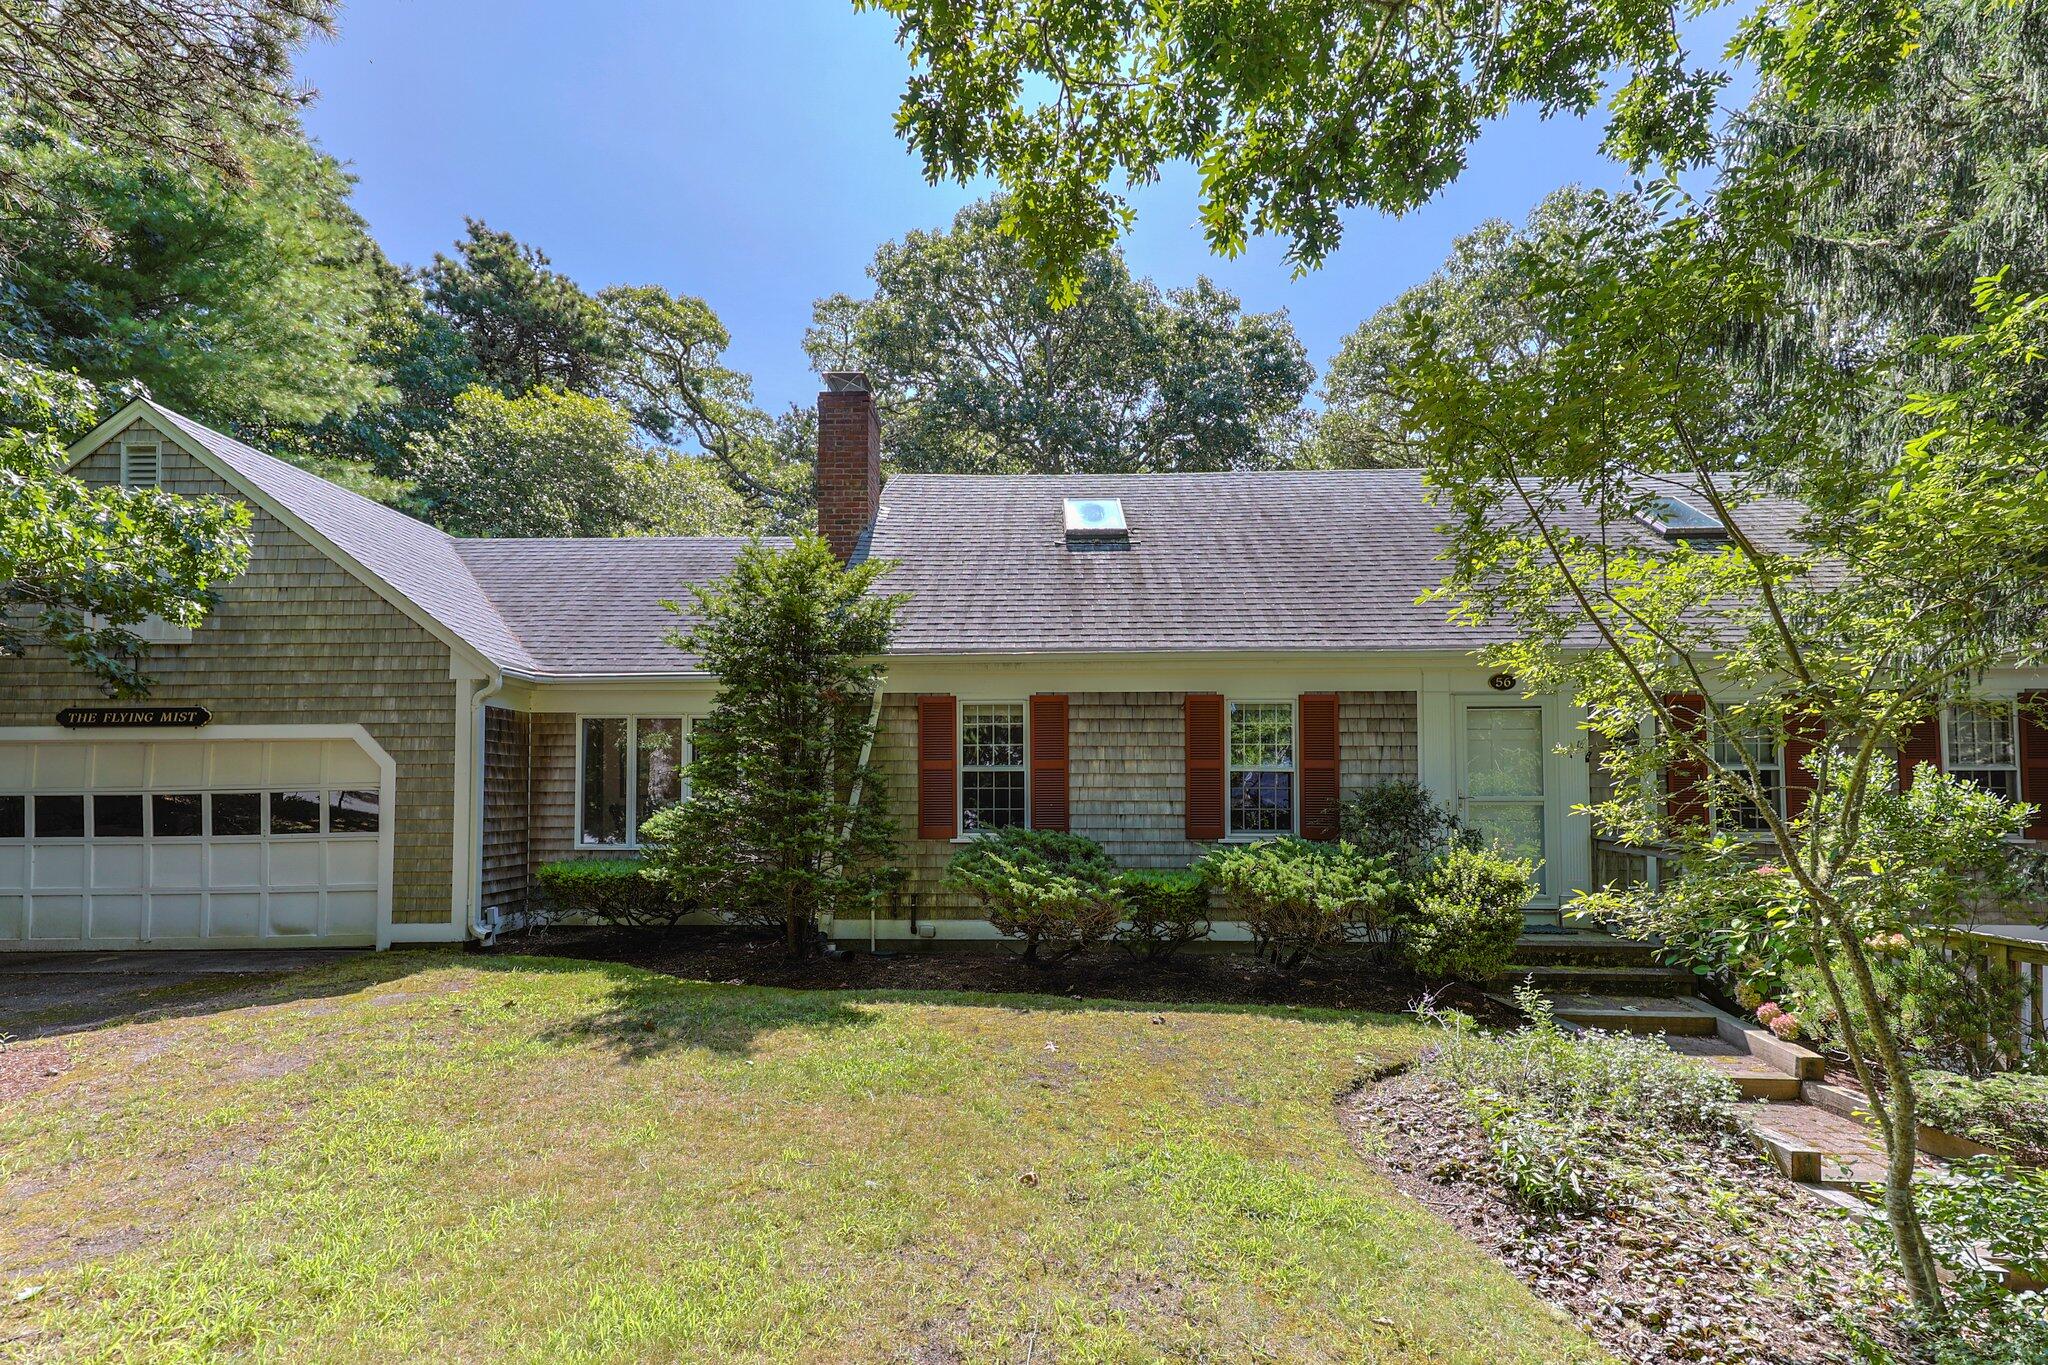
<point>108,717</point>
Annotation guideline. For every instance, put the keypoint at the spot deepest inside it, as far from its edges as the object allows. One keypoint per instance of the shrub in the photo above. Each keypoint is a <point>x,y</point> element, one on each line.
<point>1056,892</point>
<point>616,890</point>
<point>1163,911</point>
<point>1948,1012</point>
<point>1404,824</point>
<point>2007,1111</point>
<point>1299,899</point>
<point>1469,915</point>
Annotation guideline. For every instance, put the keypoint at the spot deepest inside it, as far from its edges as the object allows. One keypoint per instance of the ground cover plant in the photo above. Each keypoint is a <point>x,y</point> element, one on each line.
<point>343,1165</point>
<point>2008,1111</point>
<point>1608,1173</point>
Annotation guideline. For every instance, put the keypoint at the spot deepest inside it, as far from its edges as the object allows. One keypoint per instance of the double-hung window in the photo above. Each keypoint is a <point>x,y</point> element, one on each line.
<point>629,768</point>
<point>1763,754</point>
<point>1261,777</point>
<point>992,778</point>
<point>1982,747</point>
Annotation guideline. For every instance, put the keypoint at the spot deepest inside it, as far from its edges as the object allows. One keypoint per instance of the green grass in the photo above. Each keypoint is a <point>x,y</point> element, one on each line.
<point>429,1156</point>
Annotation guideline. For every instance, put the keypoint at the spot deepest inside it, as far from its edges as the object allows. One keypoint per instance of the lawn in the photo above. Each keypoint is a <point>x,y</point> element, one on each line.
<point>433,1156</point>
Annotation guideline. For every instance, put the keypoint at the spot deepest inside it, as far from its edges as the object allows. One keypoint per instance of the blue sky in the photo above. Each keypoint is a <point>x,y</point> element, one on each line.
<point>746,153</point>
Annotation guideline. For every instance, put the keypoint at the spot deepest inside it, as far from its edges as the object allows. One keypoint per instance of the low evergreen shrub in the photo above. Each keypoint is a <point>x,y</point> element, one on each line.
<point>620,891</point>
<point>1468,915</point>
<point>1301,900</point>
<point>1164,911</point>
<point>1056,892</point>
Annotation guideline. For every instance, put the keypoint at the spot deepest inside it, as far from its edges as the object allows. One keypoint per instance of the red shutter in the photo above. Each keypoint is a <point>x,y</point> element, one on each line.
<point>938,757</point>
<point>1049,762</point>
<point>1684,803</point>
<point>1923,745</point>
<point>2033,746</point>
<point>1802,737</point>
<point>1316,720</point>
<point>1204,717</point>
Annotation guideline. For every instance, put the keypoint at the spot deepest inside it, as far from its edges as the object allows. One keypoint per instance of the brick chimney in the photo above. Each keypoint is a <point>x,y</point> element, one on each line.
<point>849,460</point>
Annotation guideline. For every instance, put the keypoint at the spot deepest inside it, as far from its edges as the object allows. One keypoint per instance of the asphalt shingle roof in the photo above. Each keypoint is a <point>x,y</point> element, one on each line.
<point>534,607</point>
<point>1290,561</point>
<point>594,606</point>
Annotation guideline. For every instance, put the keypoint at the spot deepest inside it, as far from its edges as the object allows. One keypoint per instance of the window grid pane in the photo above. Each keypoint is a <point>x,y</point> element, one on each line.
<point>1261,768</point>
<point>1980,737</point>
<point>992,782</point>
<point>1762,751</point>
<point>1262,735</point>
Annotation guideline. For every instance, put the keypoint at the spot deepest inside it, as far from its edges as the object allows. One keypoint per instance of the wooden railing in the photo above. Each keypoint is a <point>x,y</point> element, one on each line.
<point>2022,951</point>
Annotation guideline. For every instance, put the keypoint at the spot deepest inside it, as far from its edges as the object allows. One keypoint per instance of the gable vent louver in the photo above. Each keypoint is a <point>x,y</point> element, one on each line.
<point>1096,522</point>
<point>141,467</point>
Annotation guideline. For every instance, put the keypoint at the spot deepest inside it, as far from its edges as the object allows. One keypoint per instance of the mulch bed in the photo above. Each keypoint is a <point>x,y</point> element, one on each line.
<point>1718,1258</point>
<point>1199,977</point>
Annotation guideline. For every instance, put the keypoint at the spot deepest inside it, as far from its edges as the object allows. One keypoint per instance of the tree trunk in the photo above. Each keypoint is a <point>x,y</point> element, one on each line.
<point>1898,1114</point>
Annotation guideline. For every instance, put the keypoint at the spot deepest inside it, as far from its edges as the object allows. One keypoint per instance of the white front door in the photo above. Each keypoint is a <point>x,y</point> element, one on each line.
<point>1501,788</point>
<point>110,843</point>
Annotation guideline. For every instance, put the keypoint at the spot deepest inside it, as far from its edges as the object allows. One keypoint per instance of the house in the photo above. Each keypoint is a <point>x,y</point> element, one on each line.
<point>383,729</point>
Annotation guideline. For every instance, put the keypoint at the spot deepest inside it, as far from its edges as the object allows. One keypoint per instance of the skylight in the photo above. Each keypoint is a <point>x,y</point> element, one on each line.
<point>1675,519</point>
<point>1095,519</point>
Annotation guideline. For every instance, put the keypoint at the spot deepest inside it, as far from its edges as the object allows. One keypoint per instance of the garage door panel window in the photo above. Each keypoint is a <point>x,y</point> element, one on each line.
<point>60,817</point>
<point>236,813</point>
<point>176,815</point>
<point>117,815</point>
<point>352,812</point>
<point>13,817</point>
<point>296,812</point>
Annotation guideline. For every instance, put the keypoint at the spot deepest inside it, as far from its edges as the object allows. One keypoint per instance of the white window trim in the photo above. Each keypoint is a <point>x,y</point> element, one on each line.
<point>966,835</point>
<point>2012,719</point>
<point>632,720</point>
<point>1231,770</point>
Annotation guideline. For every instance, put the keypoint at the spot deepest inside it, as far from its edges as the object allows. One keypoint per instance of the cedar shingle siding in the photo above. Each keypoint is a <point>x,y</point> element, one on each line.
<point>508,779</point>
<point>296,640</point>
<point>1125,778</point>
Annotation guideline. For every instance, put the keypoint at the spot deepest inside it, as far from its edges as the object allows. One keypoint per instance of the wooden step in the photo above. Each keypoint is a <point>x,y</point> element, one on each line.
<point>1815,1147</point>
<point>1587,979</point>
<point>1755,1080</point>
<point>1583,949</point>
<point>1853,1105</point>
<point>1634,1013</point>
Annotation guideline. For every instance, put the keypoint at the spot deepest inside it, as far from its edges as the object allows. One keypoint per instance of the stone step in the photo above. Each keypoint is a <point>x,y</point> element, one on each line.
<point>1815,1147</point>
<point>1587,979</point>
<point>1634,1013</point>
<point>1583,949</point>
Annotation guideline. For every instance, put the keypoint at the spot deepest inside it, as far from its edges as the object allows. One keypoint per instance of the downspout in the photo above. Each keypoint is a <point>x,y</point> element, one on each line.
<point>480,928</point>
<point>867,750</point>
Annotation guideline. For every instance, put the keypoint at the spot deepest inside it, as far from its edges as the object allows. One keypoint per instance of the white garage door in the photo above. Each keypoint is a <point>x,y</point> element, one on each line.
<point>216,843</point>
